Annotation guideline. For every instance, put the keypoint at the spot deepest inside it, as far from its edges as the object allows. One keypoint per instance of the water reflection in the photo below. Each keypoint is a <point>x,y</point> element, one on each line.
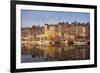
<point>55,53</point>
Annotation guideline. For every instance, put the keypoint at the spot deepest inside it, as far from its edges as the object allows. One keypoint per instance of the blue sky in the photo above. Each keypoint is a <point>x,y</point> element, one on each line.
<point>32,17</point>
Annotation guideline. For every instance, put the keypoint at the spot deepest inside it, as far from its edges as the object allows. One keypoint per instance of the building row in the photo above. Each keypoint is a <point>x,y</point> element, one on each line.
<point>51,33</point>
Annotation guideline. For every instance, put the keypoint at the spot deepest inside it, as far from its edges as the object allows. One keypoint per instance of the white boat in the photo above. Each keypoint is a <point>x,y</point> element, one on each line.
<point>80,42</point>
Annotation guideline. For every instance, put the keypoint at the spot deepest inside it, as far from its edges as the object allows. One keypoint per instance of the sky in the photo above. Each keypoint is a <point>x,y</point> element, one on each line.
<point>33,17</point>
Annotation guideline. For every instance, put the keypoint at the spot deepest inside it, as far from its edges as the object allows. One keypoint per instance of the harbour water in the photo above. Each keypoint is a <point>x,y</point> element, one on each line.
<point>58,52</point>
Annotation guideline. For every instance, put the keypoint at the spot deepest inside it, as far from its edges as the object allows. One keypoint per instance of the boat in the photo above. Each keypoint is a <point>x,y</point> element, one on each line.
<point>80,42</point>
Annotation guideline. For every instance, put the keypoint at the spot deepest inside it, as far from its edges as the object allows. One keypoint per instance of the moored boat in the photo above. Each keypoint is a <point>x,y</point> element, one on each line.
<point>80,42</point>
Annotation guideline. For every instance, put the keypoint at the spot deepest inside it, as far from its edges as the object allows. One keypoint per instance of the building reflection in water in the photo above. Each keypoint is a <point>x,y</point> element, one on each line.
<point>55,53</point>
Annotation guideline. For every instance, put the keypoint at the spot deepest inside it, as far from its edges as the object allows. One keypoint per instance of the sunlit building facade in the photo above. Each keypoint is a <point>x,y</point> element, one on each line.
<point>53,33</point>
